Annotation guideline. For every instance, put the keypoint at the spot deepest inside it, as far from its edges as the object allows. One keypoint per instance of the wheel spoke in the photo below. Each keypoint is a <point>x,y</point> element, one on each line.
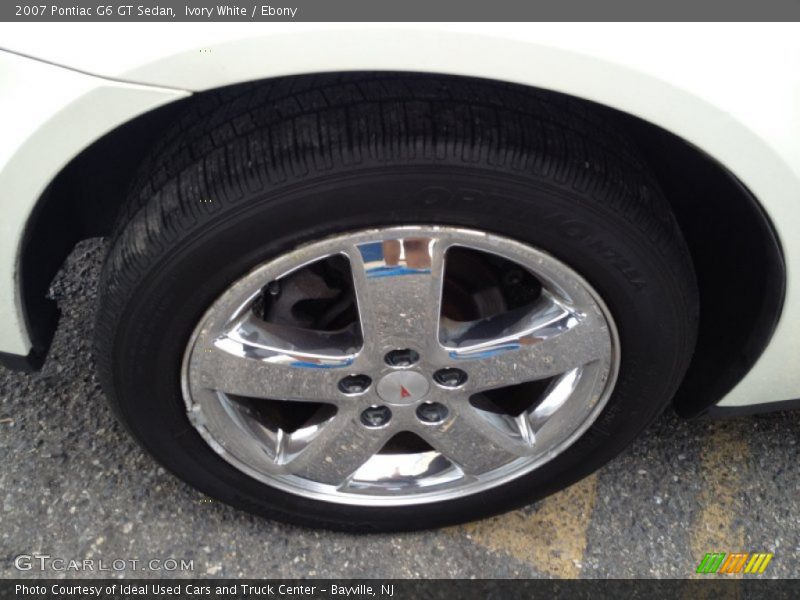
<point>258,360</point>
<point>476,441</point>
<point>558,392</point>
<point>398,285</point>
<point>340,449</point>
<point>545,340</point>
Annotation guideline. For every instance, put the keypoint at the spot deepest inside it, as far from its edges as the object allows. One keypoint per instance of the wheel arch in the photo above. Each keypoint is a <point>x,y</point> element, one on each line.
<point>725,227</point>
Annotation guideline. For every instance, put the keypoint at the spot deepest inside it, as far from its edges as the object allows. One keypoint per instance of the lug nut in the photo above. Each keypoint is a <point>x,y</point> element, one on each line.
<point>431,412</point>
<point>451,378</point>
<point>404,357</point>
<point>376,416</point>
<point>355,384</point>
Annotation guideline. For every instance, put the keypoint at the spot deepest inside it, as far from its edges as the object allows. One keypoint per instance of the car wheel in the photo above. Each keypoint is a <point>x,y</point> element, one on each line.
<point>392,303</point>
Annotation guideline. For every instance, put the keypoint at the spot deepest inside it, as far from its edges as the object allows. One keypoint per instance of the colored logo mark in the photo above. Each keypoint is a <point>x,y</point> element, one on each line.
<point>737,562</point>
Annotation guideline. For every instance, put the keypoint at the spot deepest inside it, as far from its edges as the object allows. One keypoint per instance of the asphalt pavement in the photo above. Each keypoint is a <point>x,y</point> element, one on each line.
<point>74,486</point>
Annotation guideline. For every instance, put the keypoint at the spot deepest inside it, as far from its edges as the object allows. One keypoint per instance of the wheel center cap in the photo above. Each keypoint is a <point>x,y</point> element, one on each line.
<point>403,387</point>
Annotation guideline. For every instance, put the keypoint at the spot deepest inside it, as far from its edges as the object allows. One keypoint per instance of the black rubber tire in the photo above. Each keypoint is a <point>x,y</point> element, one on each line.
<point>253,171</point>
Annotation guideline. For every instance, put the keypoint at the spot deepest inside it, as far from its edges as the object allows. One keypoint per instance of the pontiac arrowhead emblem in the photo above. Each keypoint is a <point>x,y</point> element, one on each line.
<point>400,388</point>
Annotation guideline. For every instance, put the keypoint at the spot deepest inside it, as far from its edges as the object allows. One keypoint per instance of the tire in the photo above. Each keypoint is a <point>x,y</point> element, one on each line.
<point>254,172</point>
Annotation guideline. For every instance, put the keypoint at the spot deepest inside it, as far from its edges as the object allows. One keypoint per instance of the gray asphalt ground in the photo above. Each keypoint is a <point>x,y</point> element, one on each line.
<point>74,485</point>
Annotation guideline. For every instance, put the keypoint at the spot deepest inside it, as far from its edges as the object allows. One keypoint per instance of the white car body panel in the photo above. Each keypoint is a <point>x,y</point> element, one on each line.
<point>47,116</point>
<point>731,90</point>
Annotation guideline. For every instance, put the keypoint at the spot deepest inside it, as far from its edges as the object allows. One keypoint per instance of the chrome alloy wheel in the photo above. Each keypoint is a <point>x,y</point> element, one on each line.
<point>400,396</point>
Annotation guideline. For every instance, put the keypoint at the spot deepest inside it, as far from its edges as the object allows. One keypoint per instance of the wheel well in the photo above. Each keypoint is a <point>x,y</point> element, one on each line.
<point>737,258</point>
<point>735,251</point>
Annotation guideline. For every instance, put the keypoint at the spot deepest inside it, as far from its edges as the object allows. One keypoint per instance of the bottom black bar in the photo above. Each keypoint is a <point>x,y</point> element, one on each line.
<point>713,586</point>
